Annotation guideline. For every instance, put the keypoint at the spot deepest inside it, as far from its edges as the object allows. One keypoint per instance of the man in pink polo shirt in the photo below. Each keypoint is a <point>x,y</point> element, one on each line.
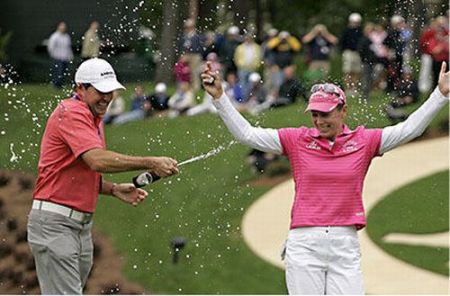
<point>73,156</point>
<point>329,163</point>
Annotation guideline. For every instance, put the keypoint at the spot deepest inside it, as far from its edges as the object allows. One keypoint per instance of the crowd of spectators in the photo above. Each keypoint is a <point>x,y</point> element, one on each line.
<point>262,74</point>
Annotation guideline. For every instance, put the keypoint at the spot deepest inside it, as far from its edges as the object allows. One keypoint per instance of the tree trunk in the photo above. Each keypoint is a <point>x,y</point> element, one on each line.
<point>418,21</point>
<point>241,9</point>
<point>193,9</point>
<point>168,43</point>
<point>259,21</point>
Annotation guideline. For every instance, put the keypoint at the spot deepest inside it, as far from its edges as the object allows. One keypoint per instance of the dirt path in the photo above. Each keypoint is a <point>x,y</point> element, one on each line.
<point>265,224</point>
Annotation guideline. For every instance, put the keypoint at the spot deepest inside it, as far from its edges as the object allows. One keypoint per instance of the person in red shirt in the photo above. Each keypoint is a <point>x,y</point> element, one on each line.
<point>72,159</point>
<point>438,45</point>
<point>182,70</point>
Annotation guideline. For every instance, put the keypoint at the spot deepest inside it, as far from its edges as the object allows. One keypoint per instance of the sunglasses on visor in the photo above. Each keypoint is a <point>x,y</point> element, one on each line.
<point>326,87</point>
<point>329,89</point>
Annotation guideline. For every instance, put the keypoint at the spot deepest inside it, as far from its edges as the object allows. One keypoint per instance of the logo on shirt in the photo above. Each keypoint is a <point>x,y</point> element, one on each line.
<point>349,146</point>
<point>359,214</point>
<point>313,145</point>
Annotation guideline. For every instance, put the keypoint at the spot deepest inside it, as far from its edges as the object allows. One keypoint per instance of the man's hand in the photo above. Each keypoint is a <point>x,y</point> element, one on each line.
<point>211,82</point>
<point>164,166</point>
<point>444,80</point>
<point>126,192</point>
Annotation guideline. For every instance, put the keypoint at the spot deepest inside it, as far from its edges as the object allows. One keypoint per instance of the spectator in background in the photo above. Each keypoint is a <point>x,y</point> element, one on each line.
<point>182,100</point>
<point>351,61</point>
<point>270,68</point>
<point>227,49</point>
<point>408,93</point>
<point>396,45</point>
<point>319,41</point>
<point>266,52</point>
<point>256,94</point>
<point>209,44</point>
<point>214,62</point>
<point>247,58</point>
<point>283,47</point>
<point>289,90</point>
<point>259,160</point>
<point>368,59</point>
<point>145,45</point>
<point>182,70</point>
<point>191,47</point>
<point>206,105</point>
<point>138,98</point>
<point>438,45</point>
<point>91,42</point>
<point>159,98</point>
<point>406,34</point>
<point>426,61</point>
<point>377,37</point>
<point>140,108</point>
<point>234,90</point>
<point>60,50</point>
<point>115,108</point>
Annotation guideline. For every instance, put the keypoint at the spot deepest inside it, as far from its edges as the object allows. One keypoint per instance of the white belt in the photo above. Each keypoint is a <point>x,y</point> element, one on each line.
<point>62,210</point>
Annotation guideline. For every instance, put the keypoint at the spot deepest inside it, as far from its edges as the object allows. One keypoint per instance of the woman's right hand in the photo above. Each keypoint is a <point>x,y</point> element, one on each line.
<point>211,82</point>
<point>444,80</point>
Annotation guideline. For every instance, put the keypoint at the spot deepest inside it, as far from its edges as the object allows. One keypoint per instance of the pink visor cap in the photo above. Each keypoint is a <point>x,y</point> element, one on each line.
<point>325,101</point>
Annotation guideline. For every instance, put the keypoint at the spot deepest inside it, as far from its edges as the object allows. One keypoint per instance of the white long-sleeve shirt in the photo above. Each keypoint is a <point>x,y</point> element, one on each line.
<point>267,139</point>
<point>60,46</point>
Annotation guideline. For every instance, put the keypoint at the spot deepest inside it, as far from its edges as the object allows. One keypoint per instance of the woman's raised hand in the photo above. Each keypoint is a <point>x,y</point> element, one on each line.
<point>212,82</point>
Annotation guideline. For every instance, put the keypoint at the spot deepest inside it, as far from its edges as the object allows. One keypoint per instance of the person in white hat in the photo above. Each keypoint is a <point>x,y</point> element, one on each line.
<point>72,159</point>
<point>329,163</point>
<point>351,60</point>
<point>227,48</point>
<point>159,98</point>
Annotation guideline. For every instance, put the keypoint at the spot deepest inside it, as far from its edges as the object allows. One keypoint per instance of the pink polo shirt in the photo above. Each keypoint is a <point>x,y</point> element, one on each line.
<point>329,178</point>
<point>63,177</point>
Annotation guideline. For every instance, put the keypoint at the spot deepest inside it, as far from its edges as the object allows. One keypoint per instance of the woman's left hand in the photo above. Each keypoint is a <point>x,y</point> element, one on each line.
<point>128,193</point>
<point>444,80</point>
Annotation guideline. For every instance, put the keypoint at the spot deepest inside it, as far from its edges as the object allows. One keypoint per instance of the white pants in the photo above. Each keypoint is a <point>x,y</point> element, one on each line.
<point>323,261</point>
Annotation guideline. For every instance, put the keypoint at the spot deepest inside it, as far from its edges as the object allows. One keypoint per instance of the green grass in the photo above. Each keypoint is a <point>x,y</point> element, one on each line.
<point>204,203</point>
<point>420,208</point>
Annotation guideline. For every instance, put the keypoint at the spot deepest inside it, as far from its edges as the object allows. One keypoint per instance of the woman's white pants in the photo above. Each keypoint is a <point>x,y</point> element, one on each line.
<point>323,261</point>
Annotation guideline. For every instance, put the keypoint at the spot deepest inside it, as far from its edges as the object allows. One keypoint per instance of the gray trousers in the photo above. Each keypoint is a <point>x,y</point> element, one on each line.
<point>62,250</point>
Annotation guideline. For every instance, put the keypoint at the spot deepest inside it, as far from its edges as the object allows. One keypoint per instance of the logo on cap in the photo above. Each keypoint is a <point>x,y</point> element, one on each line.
<point>107,73</point>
